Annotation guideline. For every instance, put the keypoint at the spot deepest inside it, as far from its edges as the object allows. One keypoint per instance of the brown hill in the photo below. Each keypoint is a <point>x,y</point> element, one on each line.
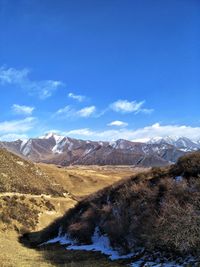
<point>22,176</point>
<point>157,211</point>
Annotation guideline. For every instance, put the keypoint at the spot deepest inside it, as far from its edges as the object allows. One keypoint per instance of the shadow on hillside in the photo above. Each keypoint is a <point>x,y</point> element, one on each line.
<point>57,255</point>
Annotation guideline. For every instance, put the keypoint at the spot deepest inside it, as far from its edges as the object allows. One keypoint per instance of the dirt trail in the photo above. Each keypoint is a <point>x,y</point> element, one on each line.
<point>66,196</point>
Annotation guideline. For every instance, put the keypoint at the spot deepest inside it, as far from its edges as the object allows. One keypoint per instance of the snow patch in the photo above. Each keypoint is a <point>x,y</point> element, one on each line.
<point>100,243</point>
<point>57,137</point>
<point>27,148</point>
<point>61,239</point>
<point>87,151</point>
<point>23,144</point>
<point>179,179</point>
<point>154,264</point>
<point>60,143</point>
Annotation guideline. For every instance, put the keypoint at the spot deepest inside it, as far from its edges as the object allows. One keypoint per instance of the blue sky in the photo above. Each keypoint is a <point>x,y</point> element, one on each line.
<point>99,69</point>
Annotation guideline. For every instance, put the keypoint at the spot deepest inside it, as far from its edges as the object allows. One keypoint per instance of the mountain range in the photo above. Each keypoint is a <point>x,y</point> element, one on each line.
<point>64,151</point>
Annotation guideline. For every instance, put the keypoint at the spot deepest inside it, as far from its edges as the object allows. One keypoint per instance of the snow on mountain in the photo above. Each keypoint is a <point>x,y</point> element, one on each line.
<point>121,144</point>
<point>26,147</point>
<point>57,137</point>
<point>62,150</point>
<point>163,140</point>
<point>182,143</point>
<point>186,144</point>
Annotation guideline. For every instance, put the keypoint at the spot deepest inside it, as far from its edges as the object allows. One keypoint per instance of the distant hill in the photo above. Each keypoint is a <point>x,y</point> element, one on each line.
<point>154,216</point>
<point>62,150</point>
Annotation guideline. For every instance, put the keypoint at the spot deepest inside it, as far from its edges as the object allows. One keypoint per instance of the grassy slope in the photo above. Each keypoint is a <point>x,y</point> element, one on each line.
<point>32,196</point>
<point>27,188</point>
<point>19,175</point>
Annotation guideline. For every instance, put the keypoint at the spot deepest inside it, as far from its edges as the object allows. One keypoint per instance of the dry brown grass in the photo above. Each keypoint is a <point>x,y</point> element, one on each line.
<point>21,176</point>
<point>13,254</point>
<point>37,211</point>
<point>152,210</point>
<point>85,180</point>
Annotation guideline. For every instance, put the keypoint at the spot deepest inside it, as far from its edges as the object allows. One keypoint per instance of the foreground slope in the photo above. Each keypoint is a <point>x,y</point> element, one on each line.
<point>157,211</point>
<point>34,195</point>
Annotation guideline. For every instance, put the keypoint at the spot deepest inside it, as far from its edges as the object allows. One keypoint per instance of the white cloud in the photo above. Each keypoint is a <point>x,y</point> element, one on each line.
<point>81,132</point>
<point>17,126</point>
<point>20,78</point>
<point>13,76</point>
<point>140,134</point>
<point>13,137</point>
<point>125,106</point>
<point>118,123</point>
<point>20,109</point>
<point>68,111</point>
<point>79,98</point>
<point>86,112</point>
<point>122,106</point>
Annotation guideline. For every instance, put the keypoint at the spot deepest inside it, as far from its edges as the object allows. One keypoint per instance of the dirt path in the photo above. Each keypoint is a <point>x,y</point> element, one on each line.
<point>68,195</point>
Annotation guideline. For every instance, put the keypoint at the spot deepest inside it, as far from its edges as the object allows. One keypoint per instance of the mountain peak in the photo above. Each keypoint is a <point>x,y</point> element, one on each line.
<point>54,135</point>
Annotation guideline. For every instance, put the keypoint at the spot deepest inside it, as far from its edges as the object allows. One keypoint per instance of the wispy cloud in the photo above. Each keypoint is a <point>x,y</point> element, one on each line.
<point>68,111</point>
<point>20,78</point>
<point>86,112</point>
<point>21,109</point>
<point>118,123</point>
<point>79,98</point>
<point>17,126</point>
<point>13,137</point>
<point>140,134</point>
<point>125,106</point>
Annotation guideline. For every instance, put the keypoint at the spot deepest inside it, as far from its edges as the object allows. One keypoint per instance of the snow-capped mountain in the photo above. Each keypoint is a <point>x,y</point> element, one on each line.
<point>63,150</point>
<point>182,143</point>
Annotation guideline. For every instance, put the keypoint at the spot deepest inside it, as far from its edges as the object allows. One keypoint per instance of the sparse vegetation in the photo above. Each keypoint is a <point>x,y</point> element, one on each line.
<point>21,176</point>
<point>188,165</point>
<point>154,210</point>
<point>17,213</point>
<point>27,207</point>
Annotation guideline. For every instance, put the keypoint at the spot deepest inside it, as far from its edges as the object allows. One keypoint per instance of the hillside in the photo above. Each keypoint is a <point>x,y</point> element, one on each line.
<point>152,217</point>
<point>22,176</point>
<point>31,189</point>
<point>33,195</point>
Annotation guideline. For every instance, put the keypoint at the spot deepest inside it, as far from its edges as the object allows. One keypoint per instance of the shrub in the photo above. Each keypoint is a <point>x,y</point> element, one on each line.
<point>188,165</point>
<point>5,218</point>
<point>49,205</point>
<point>178,228</point>
<point>81,231</point>
<point>155,212</point>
